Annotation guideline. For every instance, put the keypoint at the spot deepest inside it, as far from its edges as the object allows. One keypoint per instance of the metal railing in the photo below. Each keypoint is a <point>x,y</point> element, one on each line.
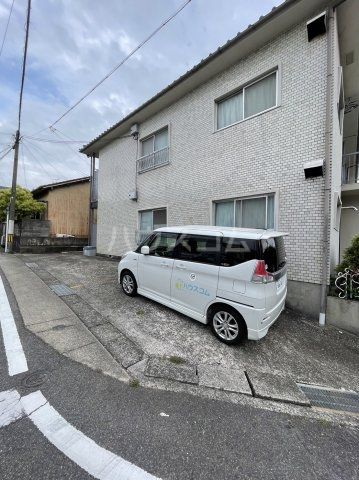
<point>347,284</point>
<point>350,168</point>
<point>153,160</point>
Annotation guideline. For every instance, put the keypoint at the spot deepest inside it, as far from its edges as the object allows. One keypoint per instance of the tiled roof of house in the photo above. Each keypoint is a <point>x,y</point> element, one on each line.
<point>203,62</point>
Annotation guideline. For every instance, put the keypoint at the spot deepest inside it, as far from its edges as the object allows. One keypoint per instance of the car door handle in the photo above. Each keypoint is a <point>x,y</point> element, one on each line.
<point>181,267</point>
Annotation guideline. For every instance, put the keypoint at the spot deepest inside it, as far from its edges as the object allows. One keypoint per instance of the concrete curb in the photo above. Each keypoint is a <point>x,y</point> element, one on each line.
<point>49,318</point>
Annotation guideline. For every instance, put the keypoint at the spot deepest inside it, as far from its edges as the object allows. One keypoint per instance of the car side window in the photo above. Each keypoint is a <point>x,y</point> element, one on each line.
<point>198,248</point>
<point>236,250</point>
<point>163,244</point>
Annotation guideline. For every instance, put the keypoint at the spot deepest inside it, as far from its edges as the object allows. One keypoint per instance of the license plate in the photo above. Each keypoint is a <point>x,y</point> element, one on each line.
<point>280,283</point>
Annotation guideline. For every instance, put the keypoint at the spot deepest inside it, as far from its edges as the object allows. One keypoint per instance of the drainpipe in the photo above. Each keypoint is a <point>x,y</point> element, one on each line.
<point>327,186</point>
<point>90,239</point>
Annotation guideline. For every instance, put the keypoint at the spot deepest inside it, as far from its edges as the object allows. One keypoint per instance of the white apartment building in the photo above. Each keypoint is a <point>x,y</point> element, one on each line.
<point>251,137</point>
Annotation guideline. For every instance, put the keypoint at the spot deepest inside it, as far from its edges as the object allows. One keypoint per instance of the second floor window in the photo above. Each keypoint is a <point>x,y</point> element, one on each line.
<point>154,143</point>
<point>255,98</point>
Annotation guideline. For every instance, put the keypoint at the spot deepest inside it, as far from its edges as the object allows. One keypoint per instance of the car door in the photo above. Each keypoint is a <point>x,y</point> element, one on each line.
<point>155,269</point>
<point>195,271</point>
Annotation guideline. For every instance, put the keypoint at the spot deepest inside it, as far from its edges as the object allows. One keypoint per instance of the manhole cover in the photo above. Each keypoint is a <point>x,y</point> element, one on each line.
<point>34,380</point>
<point>344,400</point>
<point>61,290</point>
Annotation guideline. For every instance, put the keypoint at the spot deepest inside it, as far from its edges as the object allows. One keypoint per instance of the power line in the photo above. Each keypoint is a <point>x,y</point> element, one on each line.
<point>23,163</point>
<point>57,132</point>
<point>33,145</point>
<point>36,159</point>
<point>8,151</point>
<point>7,26</point>
<point>51,140</point>
<point>163,24</point>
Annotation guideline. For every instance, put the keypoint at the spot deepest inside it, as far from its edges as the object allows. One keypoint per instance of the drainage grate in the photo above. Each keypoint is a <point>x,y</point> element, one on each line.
<point>344,400</point>
<point>61,290</point>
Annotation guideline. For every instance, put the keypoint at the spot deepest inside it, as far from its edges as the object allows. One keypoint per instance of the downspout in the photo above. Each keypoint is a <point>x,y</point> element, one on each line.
<point>327,186</point>
<point>90,202</point>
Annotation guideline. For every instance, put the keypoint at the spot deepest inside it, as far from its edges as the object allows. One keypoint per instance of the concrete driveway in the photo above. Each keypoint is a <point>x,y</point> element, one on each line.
<point>296,347</point>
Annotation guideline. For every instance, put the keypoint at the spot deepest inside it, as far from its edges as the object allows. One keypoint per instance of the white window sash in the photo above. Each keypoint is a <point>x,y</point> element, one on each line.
<point>243,91</point>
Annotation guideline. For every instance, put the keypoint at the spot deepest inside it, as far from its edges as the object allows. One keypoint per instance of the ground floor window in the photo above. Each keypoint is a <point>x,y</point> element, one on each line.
<point>149,220</point>
<point>249,212</point>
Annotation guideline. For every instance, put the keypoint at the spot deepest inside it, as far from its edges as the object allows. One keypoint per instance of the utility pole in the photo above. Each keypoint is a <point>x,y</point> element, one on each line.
<point>11,223</point>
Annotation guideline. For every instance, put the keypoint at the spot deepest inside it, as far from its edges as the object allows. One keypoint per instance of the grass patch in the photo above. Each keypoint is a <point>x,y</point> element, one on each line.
<point>134,383</point>
<point>176,360</point>
<point>324,422</point>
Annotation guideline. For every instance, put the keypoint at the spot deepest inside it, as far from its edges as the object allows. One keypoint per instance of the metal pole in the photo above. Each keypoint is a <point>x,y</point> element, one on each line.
<point>7,228</point>
<point>91,198</point>
<point>11,222</point>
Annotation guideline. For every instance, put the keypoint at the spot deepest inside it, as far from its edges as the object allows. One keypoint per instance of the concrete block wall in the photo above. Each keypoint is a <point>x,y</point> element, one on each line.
<point>259,155</point>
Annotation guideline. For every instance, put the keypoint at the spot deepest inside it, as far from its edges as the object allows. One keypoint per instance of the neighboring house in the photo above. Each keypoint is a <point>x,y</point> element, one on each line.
<point>251,137</point>
<point>67,206</point>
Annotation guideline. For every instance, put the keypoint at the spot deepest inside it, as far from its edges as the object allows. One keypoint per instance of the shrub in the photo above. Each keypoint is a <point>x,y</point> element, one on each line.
<point>351,257</point>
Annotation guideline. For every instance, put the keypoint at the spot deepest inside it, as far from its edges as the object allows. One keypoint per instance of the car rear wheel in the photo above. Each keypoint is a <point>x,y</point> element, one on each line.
<point>128,284</point>
<point>227,325</point>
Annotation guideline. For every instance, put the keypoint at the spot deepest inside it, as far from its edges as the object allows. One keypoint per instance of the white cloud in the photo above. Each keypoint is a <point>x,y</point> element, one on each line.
<point>72,45</point>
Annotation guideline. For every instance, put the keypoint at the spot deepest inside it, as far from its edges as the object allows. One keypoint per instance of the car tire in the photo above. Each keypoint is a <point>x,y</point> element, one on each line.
<point>128,283</point>
<point>227,325</point>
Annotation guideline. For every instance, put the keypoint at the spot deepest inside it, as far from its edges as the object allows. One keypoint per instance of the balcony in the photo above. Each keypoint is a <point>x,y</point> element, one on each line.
<point>350,169</point>
<point>153,160</point>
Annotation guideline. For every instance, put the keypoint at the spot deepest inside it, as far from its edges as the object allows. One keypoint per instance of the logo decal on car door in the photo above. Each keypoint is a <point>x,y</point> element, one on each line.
<point>181,285</point>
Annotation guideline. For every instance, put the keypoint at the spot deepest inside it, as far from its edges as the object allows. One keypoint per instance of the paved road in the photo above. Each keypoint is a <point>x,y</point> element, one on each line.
<point>195,439</point>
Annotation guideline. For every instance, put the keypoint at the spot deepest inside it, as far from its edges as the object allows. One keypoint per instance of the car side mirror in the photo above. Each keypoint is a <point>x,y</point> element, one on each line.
<point>145,250</point>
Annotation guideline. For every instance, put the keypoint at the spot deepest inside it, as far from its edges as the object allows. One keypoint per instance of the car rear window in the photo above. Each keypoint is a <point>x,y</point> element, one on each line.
<point>236,250</point>
<point>274,253</point>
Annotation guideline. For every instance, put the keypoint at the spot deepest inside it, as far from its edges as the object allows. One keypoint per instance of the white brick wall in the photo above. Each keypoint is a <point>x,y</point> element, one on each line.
<point>262,154</point>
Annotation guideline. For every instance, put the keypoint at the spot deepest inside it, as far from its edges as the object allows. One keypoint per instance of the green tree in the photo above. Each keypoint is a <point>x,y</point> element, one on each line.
<point>25,205</point>
<point>351,257</point>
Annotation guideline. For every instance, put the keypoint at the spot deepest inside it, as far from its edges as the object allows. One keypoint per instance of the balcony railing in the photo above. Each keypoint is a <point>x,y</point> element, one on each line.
<point>350,168</point>
<point>153,160</point>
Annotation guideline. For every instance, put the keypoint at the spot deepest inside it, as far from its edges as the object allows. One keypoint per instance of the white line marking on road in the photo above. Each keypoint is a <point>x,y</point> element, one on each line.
<point>97,461</point>
<point>10,407</point>
<point>15,355</point>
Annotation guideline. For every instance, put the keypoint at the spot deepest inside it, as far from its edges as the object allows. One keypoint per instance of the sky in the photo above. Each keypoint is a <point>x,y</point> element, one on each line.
<point>72,45</point>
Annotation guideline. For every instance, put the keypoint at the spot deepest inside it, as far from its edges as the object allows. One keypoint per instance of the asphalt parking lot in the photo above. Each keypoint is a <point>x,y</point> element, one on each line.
<point>295,346</point>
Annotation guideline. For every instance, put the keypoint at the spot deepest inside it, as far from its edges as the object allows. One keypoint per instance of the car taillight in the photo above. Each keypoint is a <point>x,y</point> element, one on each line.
<point>260,274</point>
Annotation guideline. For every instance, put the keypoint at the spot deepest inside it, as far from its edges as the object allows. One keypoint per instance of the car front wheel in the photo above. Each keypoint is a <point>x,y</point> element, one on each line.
<point>128,284</point>
<point>227,325</point>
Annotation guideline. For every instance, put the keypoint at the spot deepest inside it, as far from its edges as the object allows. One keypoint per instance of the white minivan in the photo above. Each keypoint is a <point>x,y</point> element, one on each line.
<point>232,278</point>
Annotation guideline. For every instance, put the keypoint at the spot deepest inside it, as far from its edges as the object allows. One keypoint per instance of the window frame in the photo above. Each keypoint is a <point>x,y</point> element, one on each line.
<point>242,89</point>
<point>139,213</point>
<point>153,135</point>
<point>249,197</point>
<point>158,234</point>
<point>218,239</point>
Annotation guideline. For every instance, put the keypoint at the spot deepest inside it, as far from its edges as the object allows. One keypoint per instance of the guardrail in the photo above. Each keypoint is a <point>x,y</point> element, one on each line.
<point>153,160</point>
<point>350,168</point>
